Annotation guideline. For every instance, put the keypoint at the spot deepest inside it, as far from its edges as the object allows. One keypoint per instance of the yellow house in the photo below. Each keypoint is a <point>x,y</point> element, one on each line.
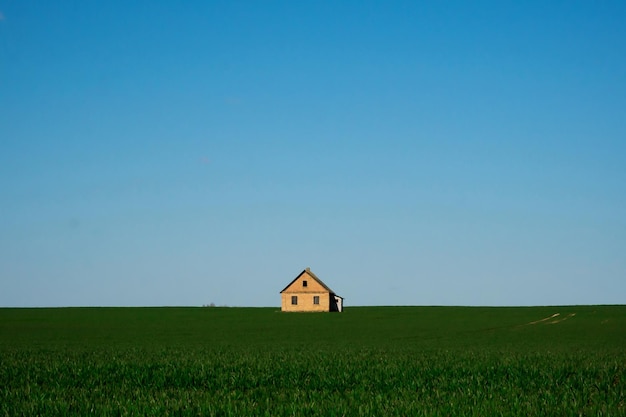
<point>308,293</point>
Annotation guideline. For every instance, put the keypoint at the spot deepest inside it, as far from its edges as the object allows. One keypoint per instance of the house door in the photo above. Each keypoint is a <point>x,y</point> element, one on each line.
<point>339,303</point>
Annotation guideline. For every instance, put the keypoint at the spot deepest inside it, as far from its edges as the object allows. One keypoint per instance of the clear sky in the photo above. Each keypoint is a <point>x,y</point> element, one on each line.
<point>409,152</point>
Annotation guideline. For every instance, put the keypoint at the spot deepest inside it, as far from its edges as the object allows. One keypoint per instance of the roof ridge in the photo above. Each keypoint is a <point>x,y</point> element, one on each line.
<point>315,277</point>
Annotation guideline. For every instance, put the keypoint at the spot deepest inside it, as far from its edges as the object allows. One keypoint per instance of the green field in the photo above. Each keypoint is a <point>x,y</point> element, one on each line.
<point>370,361</point>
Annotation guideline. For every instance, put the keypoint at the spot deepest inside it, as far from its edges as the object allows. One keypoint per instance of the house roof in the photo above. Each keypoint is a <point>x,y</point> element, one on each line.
<point>312,275</point>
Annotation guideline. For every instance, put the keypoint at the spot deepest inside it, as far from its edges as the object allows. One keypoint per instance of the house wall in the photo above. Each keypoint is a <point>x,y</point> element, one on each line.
<point>305,295</point>
<point>305,301</point>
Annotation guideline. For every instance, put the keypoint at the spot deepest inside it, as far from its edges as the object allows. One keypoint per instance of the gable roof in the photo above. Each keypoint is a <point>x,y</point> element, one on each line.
<point>308,271</point>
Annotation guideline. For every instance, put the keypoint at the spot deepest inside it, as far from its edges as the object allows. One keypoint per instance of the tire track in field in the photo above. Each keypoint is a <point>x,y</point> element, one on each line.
<point>552,319</point>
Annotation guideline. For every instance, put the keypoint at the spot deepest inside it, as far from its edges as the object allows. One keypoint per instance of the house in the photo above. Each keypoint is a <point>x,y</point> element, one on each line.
<point>308,293</point>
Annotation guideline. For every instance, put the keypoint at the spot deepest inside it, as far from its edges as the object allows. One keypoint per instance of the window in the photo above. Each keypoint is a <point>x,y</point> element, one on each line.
<point>316,299</point>
<point>294,300</point>
<point>304,283</point>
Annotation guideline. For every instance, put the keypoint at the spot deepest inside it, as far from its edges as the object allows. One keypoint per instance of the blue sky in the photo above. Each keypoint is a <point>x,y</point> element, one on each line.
<point>410,153</point>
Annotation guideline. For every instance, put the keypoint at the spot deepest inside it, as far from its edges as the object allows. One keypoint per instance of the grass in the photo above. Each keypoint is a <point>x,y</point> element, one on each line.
<point>426,361</point>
